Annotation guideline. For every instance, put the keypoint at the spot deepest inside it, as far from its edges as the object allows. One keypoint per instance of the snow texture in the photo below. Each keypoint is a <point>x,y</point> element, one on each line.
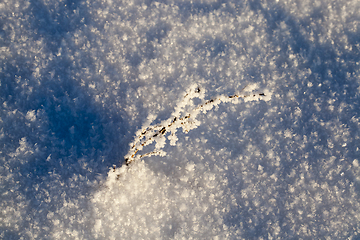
<point>93,95</point>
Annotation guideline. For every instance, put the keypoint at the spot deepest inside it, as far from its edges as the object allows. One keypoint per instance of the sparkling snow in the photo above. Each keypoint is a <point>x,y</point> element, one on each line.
<point>266,140</point>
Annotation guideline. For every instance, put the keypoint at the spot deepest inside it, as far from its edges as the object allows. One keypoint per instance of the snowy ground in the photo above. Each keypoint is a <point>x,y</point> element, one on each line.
<point>79,80</point>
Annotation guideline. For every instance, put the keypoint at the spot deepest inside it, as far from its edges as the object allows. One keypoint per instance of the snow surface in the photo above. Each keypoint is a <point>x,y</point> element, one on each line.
<point>80,80</point>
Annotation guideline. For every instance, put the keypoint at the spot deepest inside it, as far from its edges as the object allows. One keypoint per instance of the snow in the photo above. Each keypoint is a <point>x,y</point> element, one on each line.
<point>200,119</point>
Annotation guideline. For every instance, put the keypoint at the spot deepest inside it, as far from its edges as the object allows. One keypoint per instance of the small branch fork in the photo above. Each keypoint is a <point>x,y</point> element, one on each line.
<point>150,134</point>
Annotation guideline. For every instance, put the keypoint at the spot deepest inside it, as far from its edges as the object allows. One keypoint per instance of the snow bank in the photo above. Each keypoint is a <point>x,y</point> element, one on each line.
<point>85,85</point>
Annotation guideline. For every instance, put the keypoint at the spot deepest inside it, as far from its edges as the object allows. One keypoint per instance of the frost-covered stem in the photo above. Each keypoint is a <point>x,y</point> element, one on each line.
<point>182,119</point>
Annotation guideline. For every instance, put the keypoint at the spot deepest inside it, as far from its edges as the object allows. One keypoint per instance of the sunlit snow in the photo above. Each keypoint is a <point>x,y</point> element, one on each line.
<point>179,119</point>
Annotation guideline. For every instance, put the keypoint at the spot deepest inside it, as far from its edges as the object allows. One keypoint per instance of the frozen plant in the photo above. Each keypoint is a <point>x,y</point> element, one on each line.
<point>184,116</point>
